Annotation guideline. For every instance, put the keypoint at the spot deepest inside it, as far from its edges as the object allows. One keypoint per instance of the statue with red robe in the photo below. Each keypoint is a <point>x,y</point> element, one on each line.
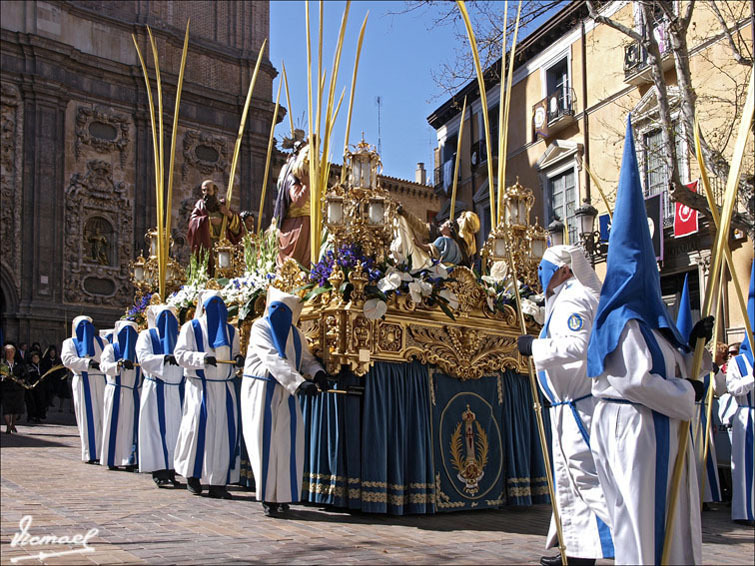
<point>206,221</point>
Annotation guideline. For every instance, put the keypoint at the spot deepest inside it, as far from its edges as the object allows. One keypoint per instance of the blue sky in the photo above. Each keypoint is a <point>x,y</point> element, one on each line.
<point>398,55</point>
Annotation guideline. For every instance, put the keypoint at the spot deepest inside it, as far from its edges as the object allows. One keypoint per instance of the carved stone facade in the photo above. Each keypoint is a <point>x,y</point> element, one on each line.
<point>78,184</point>
<point>11,133</point>
<point>98,243</point>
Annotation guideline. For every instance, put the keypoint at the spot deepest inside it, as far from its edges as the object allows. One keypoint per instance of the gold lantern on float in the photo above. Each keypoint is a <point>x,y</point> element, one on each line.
<point>356,211</point>
<point>515,235</point>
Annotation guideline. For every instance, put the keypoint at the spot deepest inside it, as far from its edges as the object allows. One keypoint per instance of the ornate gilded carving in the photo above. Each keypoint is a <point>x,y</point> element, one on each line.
<point>204,152</point>
<point>390,337</point>
<point>11,164</point>
<point>104,132</point>
<point>95,199</point>
<point>460,351</point>
<point>480,342</point>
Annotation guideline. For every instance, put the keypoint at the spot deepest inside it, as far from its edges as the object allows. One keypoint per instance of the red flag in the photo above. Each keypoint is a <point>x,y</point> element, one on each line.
<point>685,218</point>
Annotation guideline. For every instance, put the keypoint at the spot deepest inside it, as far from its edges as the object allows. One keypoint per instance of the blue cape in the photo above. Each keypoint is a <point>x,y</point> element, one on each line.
<point>684,316</point>
<point>217,322</point>
<point>167,326</point>
<point>745,348</point>
<point>84,340</point>
<point>279,317</point>
<point>632,287</point>
<point>127,343</point>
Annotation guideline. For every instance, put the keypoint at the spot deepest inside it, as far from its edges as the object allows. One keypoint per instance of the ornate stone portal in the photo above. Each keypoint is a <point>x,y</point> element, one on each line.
<point>99,224</point>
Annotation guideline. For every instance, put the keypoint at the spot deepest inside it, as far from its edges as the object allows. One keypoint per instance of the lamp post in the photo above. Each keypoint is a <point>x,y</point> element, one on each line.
<point>556,231</point>
<point>589,239</point>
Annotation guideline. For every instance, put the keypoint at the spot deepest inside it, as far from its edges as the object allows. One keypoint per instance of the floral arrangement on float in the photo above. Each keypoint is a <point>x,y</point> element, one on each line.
<point>241,293</point>
<point>197,276</point>
<point>384,281</point>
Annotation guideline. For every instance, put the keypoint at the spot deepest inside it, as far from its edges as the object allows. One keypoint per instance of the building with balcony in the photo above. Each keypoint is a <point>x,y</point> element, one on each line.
<point>574,83</point>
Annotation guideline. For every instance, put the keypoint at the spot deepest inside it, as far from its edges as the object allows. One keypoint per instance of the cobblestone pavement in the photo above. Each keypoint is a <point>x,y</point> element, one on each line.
<point>43,477</point>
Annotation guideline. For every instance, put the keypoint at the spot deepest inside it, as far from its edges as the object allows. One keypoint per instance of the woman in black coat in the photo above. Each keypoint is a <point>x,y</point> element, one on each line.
<point>12,376</point>
<point>36,397</point>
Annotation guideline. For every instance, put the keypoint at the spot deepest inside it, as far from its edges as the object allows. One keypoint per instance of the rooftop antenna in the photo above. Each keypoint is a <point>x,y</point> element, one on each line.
<point>379,102</point>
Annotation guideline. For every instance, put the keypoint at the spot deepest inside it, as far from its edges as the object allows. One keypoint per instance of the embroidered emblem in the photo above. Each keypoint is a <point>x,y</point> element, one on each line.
<point>575,322</point>
<point>470,465</point>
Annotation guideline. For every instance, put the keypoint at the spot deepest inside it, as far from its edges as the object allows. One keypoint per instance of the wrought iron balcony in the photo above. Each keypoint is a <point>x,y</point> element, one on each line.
<point>554,113</point>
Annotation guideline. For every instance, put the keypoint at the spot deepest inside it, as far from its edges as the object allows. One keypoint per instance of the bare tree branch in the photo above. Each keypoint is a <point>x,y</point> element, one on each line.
<point>611,23</point>
<point>741,59</point>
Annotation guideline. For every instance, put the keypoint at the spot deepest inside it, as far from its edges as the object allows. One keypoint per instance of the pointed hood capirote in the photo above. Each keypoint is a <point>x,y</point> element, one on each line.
<point>211,306</point>
<point>684,316</point>
<point>125,336</point>
<point>283,311</point>
<point>632,287</point>
<point>83,336</point>
<point>163,319</point>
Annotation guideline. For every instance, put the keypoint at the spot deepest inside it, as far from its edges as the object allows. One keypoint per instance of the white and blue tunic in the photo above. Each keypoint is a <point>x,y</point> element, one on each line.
<point>560,356</point>
<point>641,405</point>
<point>121,414</point>
<point>741,385</point>
<point>270,412</point>
<point>88,394</point>
<point>712,491</point>
<point>207,444</point>
<point>161,404</point>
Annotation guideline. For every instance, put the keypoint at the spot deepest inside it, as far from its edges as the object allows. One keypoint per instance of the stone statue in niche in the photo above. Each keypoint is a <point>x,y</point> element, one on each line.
<point>97,236</point>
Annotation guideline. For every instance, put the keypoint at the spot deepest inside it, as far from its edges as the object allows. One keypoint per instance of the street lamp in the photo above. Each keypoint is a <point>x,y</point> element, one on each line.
<point>589,239</point>
<point>556,230</point>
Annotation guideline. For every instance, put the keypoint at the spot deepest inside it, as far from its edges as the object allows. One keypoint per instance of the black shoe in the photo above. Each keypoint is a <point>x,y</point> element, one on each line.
<point>283,507</point>
<point>95,462</point>
<point>219,492</point>
<point>172,479</point>
<point>130,468</point>
<point>160,477</point>
<point>112,468</point>
<point>269,509</point>
<point>194,486</point>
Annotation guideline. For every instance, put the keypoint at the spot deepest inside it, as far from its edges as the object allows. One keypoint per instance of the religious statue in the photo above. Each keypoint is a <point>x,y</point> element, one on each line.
<point>99,246</point>
<point>291,211</point>
<point>206,221</point>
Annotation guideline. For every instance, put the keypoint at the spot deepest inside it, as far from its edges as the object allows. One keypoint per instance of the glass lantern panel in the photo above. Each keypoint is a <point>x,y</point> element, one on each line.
<point>335,211</point>
<point>499,248</point>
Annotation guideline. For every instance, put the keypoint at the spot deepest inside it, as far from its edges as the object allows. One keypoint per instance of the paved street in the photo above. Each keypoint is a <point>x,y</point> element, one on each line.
<point>42,477</point>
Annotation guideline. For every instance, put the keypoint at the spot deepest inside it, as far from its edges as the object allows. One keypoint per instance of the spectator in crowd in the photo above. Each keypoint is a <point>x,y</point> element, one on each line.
<point>58,383</point>
<point>12,378</point>
<point>36,399</point>
<point>35,347</point>
<point>21,351</point>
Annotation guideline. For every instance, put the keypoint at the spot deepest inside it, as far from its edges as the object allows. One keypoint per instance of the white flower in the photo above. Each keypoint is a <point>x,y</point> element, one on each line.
<point>498,272</point>
<point>491,302</point>
<point>450,296</point>
<point>438,270</point>
<point>392,280</point>
<point>419,289</point>
<point>374,309</point>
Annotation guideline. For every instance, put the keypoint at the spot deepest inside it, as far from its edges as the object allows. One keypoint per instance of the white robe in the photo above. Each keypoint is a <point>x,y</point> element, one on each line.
<point>560,357</point>
<point>207,444</point>
<point>635,445</point>
<point>271,415</point>
<point>740,385</point>
<point>119,420</point>
<point>160,407</point>
<point>712,490</point>
<point>88,397</point>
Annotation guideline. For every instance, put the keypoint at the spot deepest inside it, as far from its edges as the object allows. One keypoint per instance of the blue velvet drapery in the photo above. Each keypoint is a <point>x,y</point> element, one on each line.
<point>382,452</point>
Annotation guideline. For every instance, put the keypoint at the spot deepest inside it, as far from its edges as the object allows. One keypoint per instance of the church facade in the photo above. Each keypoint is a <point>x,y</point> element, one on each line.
<point>77,189</point>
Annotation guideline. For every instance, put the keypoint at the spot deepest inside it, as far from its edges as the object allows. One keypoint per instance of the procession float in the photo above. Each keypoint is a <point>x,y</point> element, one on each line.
<point>432,408</point>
